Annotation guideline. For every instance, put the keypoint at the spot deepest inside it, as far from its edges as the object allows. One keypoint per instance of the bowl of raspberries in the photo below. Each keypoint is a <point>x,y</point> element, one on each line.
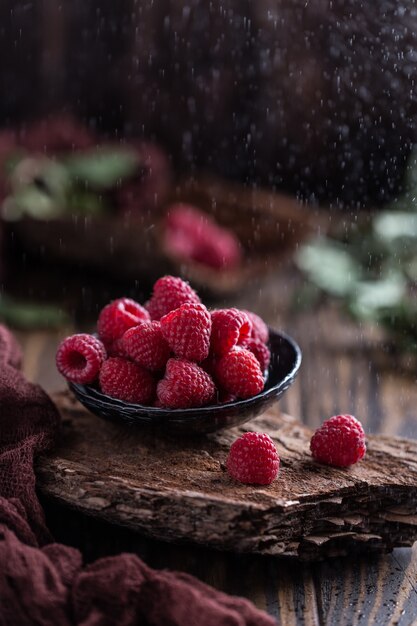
<point>175,365</point>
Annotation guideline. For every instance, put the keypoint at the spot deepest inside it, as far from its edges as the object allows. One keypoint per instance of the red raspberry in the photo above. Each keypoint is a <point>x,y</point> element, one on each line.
<point>339,441</point>
<point>260,350</point>
<point>194,235</point>
<point>253,459</point>
<point>187,331</point>
<point>239,373</point>
<point>127,381</point>
<point>230,327</point>
<point>185,385</point>
<point>169,293</point>
<point>145,345</point>
<point>117,317</point>
<point>80,357</point>
<point>259,328</point>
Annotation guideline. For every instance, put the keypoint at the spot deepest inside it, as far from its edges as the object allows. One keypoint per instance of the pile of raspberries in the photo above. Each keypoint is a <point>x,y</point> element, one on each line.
<point>172,353</point>
<point>176,354</point>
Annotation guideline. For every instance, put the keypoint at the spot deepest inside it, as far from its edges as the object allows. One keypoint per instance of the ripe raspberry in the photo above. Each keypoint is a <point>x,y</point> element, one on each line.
<point>169,293</point>
<point>194,235</point>
<point>259,328</point>
<point>239,373</point>
<point>260,350</point>
<point>127,381</point>
<point>185,385</point>
<point>79,358</point>
<point>187,331</point>
<point>230,327</point>
<point>253,459</point>
<point>339,441</point>
<point>145,345</point>
<point>117,317</point>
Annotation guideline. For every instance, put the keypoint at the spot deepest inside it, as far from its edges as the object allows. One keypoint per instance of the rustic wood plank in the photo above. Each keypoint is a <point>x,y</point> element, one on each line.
<point>367,590</point>
<point>179,491</point>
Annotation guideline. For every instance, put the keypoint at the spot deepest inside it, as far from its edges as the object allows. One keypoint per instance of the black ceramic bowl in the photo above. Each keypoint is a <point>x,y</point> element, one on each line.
<point>284,366</point>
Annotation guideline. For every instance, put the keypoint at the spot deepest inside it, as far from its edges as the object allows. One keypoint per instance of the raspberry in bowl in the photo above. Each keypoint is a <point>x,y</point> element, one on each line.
<point>174,365</point>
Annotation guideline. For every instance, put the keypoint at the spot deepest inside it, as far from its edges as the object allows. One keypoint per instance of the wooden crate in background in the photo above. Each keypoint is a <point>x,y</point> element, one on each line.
<point>268,225</point>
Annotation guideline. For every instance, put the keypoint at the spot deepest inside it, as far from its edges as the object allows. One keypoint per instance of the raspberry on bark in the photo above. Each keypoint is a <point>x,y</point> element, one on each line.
<point>187,331</point>
<point>117,317</point>
<point>238,372</point>
<point>127,381</point>
<point>340,441</point>
<point>169,293</point>
<point>185,385</point>
<point>253,459</point>
<point>146,345</point>
<point>80,357</point>
<point>230,327</point>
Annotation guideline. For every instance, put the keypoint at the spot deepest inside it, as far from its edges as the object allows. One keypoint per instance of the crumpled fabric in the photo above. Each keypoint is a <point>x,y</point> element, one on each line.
<point>45,583</point>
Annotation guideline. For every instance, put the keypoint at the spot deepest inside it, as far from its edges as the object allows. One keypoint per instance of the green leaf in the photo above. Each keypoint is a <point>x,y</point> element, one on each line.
<point>47,175</point>
<point>329,266</point>
<point>33,202</point>
<point>393,225</point>
<point>83,202</point>
<point>103,168</point>
<point>26,315</point>
<point>40,186</point>
<point>370,297</point>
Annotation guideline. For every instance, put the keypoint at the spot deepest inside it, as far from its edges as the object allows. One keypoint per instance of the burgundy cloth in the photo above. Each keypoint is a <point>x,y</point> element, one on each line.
<point>45,583</point>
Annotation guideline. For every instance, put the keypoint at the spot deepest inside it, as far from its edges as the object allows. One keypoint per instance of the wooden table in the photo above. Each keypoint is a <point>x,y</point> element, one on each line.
<point>341,372</point>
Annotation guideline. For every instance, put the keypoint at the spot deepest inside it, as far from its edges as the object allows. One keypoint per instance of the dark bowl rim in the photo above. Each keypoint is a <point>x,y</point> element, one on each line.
<point>84,390</point>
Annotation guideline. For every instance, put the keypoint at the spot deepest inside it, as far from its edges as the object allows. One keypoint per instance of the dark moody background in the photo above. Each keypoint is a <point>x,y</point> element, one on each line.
<point>316,97</point>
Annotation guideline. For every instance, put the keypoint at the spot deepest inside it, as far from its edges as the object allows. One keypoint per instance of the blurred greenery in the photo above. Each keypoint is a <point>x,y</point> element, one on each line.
<point>102,168</point>
<point>45,188</point>
<point>28,315</point>
<point>370,266</point>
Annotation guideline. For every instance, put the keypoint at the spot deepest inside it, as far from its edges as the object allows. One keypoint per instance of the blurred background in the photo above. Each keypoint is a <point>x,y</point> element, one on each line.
<point>204,139</point>
<point>313,97</point>
<point>264,151</point>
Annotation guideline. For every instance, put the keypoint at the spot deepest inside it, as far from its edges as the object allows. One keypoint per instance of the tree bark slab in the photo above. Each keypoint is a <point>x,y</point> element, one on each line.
<point>177,489</point>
